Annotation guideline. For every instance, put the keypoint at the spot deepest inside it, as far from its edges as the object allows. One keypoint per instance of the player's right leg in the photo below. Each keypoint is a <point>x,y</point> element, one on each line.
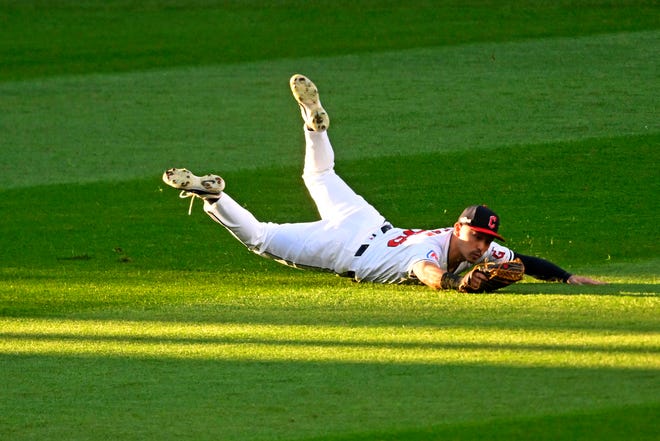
<point>334,199</point>
<point>311,110</point>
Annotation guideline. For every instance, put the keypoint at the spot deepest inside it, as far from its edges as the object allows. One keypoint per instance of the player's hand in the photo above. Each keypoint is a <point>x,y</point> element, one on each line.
<point>475,281</point>
<point>581,280</point>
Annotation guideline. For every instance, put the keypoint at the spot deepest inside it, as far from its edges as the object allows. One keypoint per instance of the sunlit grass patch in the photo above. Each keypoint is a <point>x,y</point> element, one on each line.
<point>355,344</point>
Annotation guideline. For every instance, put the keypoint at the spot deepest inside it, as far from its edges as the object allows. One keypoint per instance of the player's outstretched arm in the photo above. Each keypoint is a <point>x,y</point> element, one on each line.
<point>582,280</point>
<point>432,275</point>
<point>428,273</point>
<point>544,270</point>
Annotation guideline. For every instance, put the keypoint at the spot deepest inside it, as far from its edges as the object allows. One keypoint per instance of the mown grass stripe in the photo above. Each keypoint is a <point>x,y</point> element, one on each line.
<point>373,344</point>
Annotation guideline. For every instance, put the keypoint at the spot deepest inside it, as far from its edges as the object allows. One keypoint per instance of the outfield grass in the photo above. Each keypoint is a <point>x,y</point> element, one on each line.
<point>121,317</point>
<point>51,37</point>
<point>483,96</point>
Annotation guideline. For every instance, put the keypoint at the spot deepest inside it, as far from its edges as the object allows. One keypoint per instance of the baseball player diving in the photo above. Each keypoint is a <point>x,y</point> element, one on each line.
<point>353,239</point>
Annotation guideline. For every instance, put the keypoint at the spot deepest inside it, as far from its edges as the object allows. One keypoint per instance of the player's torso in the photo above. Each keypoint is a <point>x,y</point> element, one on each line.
<point>388,257</point>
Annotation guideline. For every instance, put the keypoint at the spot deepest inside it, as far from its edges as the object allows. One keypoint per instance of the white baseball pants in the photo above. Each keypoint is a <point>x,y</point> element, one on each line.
<point>328,244</point>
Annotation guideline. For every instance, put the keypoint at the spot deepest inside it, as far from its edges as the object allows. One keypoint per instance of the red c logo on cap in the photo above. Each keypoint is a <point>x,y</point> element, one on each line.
<point>492,222</point>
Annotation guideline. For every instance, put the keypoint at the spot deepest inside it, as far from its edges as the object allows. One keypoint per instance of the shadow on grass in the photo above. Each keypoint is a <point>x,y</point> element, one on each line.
<point>624,423</point>
<point>97,397</point>
<point>611,289</point>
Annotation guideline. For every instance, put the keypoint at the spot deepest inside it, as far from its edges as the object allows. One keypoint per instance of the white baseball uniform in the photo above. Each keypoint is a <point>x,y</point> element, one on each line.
<point>352,238</point>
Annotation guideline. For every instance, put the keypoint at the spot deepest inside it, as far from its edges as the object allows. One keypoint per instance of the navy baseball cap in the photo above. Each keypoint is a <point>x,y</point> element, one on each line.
<point>482,219</point>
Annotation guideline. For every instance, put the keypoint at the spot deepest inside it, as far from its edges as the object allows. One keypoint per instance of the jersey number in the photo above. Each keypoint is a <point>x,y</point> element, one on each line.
<point>401,239</point>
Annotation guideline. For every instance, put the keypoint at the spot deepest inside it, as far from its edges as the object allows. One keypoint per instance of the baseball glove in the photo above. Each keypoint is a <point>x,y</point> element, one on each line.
<point>498,276</point>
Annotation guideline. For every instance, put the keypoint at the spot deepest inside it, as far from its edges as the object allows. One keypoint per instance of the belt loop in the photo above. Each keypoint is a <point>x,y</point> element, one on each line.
<point>383,229</point>
<point>361,250</point>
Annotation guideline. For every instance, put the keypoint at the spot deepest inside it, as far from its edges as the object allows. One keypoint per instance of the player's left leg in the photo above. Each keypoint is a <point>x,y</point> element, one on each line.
<point>210,188</point>
<point>319,244</point>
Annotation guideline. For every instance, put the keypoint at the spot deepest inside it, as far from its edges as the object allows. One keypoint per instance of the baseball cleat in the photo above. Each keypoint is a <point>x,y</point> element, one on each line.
<point>307,95</point>
<point>209,186</point>
<point>206,187</point>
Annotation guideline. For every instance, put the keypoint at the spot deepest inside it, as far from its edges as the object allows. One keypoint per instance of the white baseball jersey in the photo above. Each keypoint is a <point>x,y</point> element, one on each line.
<point>389,257</point>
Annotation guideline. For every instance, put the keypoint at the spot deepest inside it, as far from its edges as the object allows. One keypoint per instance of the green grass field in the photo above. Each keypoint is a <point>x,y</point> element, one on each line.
<point>121,317</point>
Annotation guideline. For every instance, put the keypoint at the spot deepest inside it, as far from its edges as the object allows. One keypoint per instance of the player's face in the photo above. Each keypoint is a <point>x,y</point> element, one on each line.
<point>471,244</point>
